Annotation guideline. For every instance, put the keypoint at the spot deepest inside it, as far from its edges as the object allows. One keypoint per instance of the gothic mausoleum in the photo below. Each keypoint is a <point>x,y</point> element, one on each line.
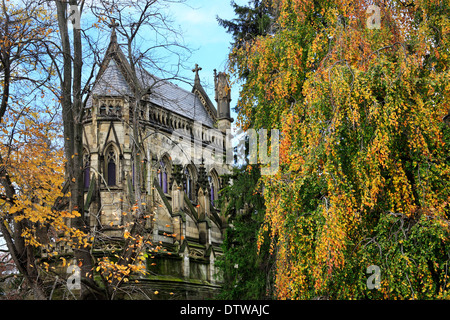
<point>182,138</point>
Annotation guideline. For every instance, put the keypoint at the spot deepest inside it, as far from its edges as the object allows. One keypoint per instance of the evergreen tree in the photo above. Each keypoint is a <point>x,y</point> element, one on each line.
<point>251,21</point>
<point>364,175</point>
<point>247,269</point>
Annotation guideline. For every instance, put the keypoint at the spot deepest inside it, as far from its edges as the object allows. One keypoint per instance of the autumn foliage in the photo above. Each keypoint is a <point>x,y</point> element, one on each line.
<point>365,171</point>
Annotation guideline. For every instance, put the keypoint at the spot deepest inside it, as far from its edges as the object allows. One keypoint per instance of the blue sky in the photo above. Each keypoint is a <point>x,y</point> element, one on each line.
<point>202,32</point>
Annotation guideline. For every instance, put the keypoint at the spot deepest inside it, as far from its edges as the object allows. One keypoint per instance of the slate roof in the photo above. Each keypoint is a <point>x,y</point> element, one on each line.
<point>163,93</point>
<point>111,82</point>
<point>175,98</point>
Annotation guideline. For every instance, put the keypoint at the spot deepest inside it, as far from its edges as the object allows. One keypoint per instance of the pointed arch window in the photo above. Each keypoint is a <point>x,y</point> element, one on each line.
<point>163,175</point>
<point>111,167</point>
<point>189,182</point>
<point>214,187</point>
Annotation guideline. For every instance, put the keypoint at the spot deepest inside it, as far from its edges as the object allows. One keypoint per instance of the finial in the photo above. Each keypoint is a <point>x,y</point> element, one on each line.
<point>215,83</point>
<point>196,70</point>
<point>113,25</point>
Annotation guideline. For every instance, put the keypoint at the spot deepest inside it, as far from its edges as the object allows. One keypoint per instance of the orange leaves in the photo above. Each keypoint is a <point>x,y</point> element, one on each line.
<point>35,167</point>
<point>361,118</point>
<point>113,271</point>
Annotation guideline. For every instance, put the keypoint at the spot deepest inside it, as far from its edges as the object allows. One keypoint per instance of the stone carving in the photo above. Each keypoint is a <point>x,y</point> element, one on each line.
<point>222,87</point>
<point>195,253</point>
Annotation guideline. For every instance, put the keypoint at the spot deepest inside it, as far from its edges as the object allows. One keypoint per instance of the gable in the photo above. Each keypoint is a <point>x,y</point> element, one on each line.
<point>111,82</point>
<point>114,80</point>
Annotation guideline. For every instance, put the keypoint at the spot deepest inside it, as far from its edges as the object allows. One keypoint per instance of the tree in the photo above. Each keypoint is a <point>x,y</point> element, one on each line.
<point>256,19</point>
<point>253,20</point>
<point>247,268</point>
<point>29,182</point>
<point>138,17</point>
<point>35,216</point>
<point>364,167</point>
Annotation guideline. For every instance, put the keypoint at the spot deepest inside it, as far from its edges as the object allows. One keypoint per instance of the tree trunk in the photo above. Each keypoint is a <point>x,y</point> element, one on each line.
<point>21,253</point>
<point>72,108</point>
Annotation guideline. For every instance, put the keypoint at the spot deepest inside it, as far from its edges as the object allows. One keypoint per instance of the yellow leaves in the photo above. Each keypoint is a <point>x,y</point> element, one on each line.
<point>37,173</point>
<point>111,270</point>
<point>73,214</point>
<point>361,121</point>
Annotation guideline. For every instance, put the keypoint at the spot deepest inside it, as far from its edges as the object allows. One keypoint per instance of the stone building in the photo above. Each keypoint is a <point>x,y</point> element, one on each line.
<point>177,169</point>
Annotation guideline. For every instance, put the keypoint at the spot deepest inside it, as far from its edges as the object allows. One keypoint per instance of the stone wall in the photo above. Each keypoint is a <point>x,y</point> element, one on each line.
<point>187,231</point>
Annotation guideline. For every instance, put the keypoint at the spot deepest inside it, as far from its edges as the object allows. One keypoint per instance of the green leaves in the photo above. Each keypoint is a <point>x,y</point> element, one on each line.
<point>245,264</point>
<point>365,175</point>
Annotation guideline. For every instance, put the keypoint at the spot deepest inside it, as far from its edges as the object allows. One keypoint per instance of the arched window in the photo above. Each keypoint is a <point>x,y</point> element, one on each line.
<point>111,167</point>
<point>214,186</point>
<point>163,174</point>
<point>86,170</point>
<point>189,184</point>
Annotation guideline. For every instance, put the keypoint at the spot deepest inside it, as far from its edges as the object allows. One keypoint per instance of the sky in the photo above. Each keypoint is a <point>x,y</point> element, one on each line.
<point>202,31</point>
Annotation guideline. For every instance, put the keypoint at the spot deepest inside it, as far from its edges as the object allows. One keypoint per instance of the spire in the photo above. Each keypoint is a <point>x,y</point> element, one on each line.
<point>177,174</point>
<point>223,95</point>
<point>196,70</point>
<point>202,177</point>
<point>113,25</point>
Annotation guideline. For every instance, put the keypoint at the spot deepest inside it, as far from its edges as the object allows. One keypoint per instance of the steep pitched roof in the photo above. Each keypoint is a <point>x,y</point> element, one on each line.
<point>115,78</point>
<point>174,98</point>
<point>111,82</point>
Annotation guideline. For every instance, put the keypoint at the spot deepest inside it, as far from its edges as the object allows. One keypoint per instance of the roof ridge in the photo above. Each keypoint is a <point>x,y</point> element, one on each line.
<point>165,81</point>
<point>166,94</point>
